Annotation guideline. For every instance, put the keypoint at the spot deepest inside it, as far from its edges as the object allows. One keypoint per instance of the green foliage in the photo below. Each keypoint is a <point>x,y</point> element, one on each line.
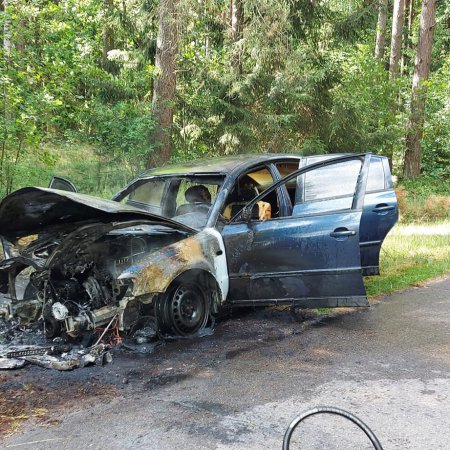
<point>54,88</point>
<point>426,185</point>
<point>365,116</point>
<point>309,84</point>
<point>436,141</point>
<point>121,132</point>
<point>424,198</point>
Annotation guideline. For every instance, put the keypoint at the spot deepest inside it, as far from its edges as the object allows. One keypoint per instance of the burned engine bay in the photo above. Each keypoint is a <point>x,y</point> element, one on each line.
<point>66,281</point>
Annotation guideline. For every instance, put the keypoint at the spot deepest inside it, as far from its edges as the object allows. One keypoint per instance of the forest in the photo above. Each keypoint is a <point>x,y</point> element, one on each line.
<point>97,90</point>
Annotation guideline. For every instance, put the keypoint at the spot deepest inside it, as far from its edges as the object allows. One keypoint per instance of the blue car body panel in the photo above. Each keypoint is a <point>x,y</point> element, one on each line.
<point>380,213</point>
<point>296,259</point>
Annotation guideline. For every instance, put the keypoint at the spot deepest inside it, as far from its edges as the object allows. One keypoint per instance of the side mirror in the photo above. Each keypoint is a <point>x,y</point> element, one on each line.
<point>62,184</point>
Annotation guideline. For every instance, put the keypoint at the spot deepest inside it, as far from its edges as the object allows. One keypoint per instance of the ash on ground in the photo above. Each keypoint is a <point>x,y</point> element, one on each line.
<point>22,344</point>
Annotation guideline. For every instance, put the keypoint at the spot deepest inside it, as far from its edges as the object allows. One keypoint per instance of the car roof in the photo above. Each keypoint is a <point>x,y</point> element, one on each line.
<point>219,165</point>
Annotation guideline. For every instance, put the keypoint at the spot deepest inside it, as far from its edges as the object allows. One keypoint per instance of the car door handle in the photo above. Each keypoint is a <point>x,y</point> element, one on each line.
<point>383,208</point>
<point>342,232</point>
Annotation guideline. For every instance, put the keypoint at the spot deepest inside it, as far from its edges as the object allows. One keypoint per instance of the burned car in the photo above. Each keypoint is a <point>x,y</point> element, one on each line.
<point>181,241</point>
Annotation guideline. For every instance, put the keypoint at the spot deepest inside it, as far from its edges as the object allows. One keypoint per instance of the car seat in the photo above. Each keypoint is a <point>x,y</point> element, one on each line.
<point>194,196</point>
<point>261,210</point>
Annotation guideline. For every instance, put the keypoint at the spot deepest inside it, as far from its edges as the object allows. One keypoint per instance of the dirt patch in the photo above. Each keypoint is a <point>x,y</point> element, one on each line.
<point>23,396</point>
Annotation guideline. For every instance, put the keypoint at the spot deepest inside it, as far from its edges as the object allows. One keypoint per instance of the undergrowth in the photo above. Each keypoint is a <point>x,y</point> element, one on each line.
<point>425,198</point>
<point>410,255</point>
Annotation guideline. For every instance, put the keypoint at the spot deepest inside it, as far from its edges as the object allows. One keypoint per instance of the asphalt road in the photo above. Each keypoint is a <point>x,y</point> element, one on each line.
<point>240,388</point>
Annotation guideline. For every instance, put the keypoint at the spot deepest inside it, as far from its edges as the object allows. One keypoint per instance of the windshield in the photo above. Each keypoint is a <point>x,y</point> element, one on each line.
<point>184,198</point>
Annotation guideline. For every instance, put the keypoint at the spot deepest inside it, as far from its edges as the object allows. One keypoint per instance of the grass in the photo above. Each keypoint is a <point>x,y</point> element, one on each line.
<point>410,255</point>
<point>424,198</point>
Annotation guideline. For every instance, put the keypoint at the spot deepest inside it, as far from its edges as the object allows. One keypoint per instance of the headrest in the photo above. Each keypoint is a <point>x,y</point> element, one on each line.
<point>197,194</point>
<point>247,194</point>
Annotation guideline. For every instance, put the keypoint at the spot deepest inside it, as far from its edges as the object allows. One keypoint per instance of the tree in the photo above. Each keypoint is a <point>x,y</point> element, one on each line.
<point>237,20</point>
<point>6,26</point>
<point>396,38</point>
<point>411,166</point>
<point>381,30</point>
<point>408,46</point>
<point>107,34</point>
<point>165,83</point>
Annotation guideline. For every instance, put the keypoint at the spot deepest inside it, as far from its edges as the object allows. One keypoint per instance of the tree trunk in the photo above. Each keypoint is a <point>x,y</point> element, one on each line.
<point>237,19</point>
<point>411,167</point>
<point>6,27</point>
<point>396,39</point>
<point>107,34</point>
<point>381,30</point>
<point>410,16</point>
<point>407,36</point>
<point>165,82</point>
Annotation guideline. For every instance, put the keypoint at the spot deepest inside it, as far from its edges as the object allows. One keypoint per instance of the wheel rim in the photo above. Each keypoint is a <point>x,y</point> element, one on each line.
<point>187,309</point>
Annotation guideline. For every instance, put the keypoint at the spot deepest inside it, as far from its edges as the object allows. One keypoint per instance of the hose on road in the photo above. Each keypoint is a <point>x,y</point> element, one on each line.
<point>330,410</point>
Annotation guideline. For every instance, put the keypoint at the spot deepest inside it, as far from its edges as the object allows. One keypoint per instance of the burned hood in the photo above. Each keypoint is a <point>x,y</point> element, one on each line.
<point>31,210</point>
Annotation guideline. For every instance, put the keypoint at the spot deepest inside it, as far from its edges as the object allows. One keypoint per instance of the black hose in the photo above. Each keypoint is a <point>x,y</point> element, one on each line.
<point>330,410</point>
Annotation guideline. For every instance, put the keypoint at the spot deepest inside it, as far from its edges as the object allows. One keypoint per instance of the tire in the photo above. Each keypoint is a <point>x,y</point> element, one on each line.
<point>183,310</point>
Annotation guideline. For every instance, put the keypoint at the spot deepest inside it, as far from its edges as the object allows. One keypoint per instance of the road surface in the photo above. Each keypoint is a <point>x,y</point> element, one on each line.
<point>240,388</point>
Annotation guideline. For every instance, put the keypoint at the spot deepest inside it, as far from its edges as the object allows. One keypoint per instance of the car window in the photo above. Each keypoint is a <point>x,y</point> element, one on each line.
<point>326,189</point>
<point>190,199</point>
<point>375,180</point>
<point>195,192</point>
<point>62,184</point>
<point>147,192</point>
<point>285,169</point>
<point>331,181</point>
<point>376,176</point>
<point>247,187</point>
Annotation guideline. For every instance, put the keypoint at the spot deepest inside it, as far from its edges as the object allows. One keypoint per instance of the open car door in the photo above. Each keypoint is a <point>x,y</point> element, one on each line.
<point>380,212</point>
<point>309,257</point>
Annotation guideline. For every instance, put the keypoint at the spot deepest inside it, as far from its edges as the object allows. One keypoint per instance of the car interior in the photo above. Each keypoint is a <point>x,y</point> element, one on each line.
<point>246,189</point>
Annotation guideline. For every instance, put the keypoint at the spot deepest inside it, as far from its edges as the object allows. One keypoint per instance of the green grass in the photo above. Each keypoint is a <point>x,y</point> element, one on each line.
<point>410,255</point>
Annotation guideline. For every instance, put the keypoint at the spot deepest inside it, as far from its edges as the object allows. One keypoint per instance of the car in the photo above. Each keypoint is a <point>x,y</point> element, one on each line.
<point>180,242</point>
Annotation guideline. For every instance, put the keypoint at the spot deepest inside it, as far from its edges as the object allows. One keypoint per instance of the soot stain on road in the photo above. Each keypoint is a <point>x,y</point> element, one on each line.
<point>40,394</point>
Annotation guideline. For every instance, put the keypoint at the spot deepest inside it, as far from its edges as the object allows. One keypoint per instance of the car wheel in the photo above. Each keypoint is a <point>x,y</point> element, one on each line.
<point>183,310</point>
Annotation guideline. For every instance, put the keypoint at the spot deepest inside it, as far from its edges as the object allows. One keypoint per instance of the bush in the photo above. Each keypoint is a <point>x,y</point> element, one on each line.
<point>437,207</point>
<point>423,199</point>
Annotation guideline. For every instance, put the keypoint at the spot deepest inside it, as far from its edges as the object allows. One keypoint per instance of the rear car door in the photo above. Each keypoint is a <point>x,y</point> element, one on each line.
<point>380,212</point>
<point>306,258</point>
